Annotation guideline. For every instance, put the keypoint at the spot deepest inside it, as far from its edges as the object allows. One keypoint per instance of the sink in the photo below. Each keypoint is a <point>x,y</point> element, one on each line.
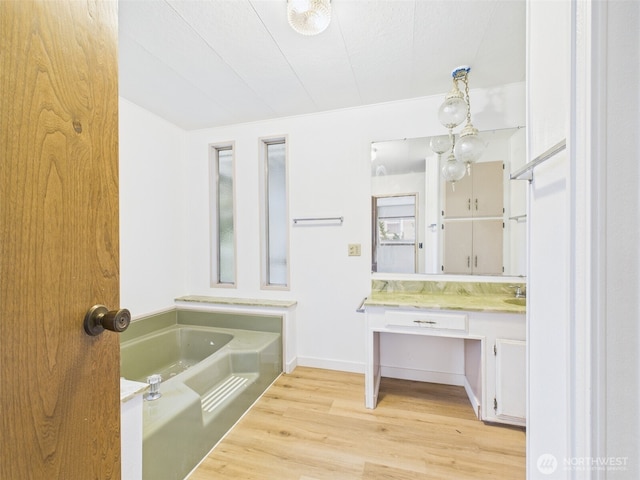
<point>516,301</point>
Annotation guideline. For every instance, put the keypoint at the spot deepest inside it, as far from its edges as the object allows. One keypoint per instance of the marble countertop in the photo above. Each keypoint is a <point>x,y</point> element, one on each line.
<point>488,303</point>
<point>470,296</point>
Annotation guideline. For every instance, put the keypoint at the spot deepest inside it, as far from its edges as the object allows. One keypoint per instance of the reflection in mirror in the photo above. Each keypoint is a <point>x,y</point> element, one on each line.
<point>395,223</point>
<point>432,236</point>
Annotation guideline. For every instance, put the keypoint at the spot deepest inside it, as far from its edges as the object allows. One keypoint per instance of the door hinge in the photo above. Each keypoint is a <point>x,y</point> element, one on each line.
<point>495,404</point>
<point>495,349</point>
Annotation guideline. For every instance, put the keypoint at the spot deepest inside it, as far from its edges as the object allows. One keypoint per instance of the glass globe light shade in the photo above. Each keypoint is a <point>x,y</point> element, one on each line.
<point>453,170</point>
<point>309,17</point>
<point>469,147</point>
<point>454,109</point>
<point>300,6</point>
<point>440,144</point>
<point>452,112</point>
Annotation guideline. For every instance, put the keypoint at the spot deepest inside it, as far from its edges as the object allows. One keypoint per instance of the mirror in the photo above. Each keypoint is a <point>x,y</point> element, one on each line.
<point>396,248</point>
<point>424,225</point>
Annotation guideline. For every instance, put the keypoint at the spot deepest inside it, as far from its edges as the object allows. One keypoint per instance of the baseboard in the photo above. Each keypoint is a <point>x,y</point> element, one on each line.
<point>456,379</point>
<point>352,367</point>
<point>291,365</point>
<point>475,403</point>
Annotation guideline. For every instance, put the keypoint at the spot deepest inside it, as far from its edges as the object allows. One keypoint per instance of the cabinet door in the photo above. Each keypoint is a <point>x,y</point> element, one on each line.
<point>488,189</point>
<point>480,194</point>
<point>457,198</point>
<point>511,389</point>
<point>487,241</point>
<point>458,246</point>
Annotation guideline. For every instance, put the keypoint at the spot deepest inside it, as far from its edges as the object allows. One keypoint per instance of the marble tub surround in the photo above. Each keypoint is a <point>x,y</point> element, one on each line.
<point>251,302</point>
<point>237,312</point>
<point>446,295</point>
<point>129,389</point>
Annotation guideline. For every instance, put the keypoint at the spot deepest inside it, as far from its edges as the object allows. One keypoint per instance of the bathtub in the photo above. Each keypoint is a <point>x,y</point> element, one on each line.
<point>210,376</point>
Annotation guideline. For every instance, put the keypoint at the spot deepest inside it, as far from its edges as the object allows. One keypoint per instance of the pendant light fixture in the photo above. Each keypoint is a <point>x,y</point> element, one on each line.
<point>452,170</point>
<point>469,147</point>
<point>309,17</point>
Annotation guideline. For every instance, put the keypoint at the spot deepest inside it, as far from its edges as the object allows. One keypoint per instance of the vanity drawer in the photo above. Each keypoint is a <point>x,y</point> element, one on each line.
<point>436,321</point>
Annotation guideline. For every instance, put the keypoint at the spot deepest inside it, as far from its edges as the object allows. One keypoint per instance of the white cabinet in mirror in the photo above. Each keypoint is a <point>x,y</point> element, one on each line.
<point>415,232</point>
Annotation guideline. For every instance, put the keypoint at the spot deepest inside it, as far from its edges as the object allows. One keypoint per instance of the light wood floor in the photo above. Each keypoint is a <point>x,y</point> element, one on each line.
<point>312,424</point>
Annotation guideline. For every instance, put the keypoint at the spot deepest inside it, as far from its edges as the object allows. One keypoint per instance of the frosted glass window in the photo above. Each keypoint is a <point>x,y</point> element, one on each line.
<point>224,269</point>
<point>276,268</point>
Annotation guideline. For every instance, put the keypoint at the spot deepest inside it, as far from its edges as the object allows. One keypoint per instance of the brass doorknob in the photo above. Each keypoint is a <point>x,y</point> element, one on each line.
<point>99,318</point>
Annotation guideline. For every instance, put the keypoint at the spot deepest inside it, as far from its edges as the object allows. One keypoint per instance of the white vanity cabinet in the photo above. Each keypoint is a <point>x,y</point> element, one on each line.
<point>511,385</point>
<point>487,355</point>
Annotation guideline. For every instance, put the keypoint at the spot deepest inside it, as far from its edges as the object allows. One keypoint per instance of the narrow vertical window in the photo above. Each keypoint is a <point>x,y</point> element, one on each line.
<point>275,231</point>
<point>223,222</point>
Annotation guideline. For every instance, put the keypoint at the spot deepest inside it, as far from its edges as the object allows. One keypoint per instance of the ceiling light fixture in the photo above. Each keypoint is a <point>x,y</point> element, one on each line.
<point>469,147</point>
<point>309,17</point>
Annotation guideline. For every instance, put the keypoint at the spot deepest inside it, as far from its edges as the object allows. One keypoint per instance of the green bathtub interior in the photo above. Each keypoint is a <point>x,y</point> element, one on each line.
<point>201,403</point>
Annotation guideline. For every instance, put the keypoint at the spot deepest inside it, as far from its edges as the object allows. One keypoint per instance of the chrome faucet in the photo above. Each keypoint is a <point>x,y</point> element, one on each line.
<point>154,387</point>
<point>520,293</point>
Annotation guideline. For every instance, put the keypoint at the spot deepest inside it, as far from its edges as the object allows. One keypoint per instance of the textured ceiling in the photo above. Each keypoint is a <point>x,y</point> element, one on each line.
<point>209,63</point>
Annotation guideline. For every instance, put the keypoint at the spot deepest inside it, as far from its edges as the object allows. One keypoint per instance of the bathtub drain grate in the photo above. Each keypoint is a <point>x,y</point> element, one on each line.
<point>214,398</point>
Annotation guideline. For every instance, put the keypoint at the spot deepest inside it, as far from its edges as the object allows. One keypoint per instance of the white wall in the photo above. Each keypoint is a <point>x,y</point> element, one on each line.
<point>516,230</point>
<point>622,173</point>
<point>549,223</point>
<point>329,165</point>
<point>583,306</point>
<point>152,267</point>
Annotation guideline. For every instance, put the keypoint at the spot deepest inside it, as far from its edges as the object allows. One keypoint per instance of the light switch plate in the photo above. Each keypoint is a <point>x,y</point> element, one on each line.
<point>354,250</point>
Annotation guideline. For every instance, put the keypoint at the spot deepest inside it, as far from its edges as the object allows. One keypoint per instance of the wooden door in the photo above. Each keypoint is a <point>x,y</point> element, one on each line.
<point>59,388</point>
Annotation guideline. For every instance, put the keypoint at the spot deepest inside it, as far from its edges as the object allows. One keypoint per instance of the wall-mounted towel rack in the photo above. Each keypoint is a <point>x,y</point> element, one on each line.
<point>526,172</point>
<point>339,220</point>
